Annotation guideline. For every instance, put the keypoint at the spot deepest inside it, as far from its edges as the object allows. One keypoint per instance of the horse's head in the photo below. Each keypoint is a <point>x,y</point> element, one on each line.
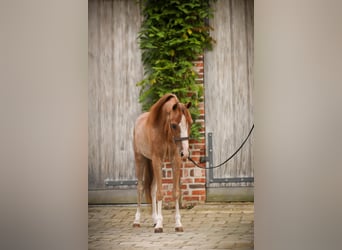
<point>180,121</point>
<point>173,111</point>
<point>175,114</point>
<point>185,126</point>
<point>165,111</point>
<point>175,119</point>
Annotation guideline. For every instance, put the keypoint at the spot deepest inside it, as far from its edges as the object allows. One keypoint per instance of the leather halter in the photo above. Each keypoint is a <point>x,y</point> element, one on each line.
<point>176,139</point>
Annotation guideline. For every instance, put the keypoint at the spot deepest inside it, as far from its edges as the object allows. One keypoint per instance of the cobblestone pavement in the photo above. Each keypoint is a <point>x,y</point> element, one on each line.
<point>207,226</point>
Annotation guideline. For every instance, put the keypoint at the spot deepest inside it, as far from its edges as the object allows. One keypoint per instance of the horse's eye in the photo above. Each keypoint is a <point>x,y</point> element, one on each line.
<point>174,107</point>
<point>174,126</point>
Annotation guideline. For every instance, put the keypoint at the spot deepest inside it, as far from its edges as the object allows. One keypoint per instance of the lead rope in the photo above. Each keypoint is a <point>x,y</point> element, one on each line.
<point>243,143</point>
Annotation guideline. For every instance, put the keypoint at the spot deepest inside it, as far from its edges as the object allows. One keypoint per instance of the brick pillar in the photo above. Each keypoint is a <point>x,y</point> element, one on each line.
<point>193,179</point>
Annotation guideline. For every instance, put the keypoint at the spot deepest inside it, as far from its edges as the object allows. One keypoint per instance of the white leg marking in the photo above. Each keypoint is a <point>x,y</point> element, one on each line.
<point>159,215</point>
<point>178,216</point>
<point>136,222</point>
<point>137,216</point>
<point>154,201</point>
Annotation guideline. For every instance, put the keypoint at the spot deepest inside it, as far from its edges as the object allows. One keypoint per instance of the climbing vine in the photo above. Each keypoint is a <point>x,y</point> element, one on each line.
<point>173,34</point>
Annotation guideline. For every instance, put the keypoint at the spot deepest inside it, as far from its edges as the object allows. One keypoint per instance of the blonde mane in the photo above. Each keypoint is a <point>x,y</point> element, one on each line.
<point>155,113</point>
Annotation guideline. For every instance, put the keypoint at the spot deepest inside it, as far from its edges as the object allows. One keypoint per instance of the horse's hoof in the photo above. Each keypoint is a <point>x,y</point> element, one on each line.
<point>136,225</point>
<point>158,230</point>
<point>179,229</point>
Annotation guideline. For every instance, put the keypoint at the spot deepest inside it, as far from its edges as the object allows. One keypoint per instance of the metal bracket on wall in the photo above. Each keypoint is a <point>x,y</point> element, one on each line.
<point>111,182</point>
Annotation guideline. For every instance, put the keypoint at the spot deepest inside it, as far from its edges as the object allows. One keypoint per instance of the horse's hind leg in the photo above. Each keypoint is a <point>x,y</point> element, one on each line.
<point>136,222</point>
<point>140,165</point>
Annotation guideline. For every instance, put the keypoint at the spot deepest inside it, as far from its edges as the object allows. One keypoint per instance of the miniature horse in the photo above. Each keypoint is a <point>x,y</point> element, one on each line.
<point>162,132</point>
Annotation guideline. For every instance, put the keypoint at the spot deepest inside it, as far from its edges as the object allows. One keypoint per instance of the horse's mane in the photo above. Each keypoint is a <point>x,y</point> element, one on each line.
<point>155,111</point>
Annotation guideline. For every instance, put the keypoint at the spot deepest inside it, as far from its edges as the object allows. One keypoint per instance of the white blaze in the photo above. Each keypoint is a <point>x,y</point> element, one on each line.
<point>184,133</point>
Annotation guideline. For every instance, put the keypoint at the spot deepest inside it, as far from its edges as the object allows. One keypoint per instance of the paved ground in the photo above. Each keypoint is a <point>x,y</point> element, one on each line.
<point>208,226</point>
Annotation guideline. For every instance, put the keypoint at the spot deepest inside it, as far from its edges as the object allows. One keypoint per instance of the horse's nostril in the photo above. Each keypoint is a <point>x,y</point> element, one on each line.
<point>182,154</point>
<point>174,126</point>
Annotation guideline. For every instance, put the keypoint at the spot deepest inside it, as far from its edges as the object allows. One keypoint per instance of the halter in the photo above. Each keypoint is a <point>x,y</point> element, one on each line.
<point>180,138</point>
<point>177,139</point>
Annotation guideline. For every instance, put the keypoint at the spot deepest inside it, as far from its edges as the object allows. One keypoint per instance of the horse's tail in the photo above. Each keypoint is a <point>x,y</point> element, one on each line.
<point>148,178</point>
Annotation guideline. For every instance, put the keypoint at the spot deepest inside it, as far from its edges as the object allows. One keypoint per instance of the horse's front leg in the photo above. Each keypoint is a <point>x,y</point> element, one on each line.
<point>178,224</point>
<point>176,192</point>
<point>156,162</point>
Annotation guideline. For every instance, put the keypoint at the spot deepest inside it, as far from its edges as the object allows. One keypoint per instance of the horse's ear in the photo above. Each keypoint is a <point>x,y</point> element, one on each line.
<point>188,105</point>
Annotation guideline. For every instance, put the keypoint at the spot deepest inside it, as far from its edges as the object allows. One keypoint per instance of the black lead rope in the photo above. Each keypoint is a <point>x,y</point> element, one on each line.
<point>243,143</point>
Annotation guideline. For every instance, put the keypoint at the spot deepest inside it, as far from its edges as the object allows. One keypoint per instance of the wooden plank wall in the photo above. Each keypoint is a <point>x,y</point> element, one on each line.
<point>114,69</point>
<point>229,86</point>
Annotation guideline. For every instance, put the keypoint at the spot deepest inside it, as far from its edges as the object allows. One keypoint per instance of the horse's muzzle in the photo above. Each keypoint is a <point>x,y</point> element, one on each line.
<point>184,156</point>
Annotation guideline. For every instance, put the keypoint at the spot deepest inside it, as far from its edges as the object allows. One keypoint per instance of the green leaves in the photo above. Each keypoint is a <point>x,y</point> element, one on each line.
<point>173,35</point>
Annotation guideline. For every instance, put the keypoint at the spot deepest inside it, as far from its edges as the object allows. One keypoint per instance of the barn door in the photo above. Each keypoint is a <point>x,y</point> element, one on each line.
<point>114,69</point>
<point>229,100</point>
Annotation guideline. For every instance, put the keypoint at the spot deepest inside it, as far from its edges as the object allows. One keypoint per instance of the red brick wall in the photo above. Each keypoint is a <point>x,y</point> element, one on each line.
<point>193,179</point>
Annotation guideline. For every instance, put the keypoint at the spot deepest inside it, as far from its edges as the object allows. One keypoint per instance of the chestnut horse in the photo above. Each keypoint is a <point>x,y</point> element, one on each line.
<point>162,132</point>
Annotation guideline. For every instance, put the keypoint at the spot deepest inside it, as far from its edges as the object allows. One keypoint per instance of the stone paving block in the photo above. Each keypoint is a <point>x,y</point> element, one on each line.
<point>226,244</point>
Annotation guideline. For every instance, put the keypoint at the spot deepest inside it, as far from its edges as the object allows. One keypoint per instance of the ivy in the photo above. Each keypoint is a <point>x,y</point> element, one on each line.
<point>173,34</point>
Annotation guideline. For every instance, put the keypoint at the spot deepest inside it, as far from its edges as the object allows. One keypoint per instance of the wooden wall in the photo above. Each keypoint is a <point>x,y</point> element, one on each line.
<point>229,86</point>
<point>114,69</point>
